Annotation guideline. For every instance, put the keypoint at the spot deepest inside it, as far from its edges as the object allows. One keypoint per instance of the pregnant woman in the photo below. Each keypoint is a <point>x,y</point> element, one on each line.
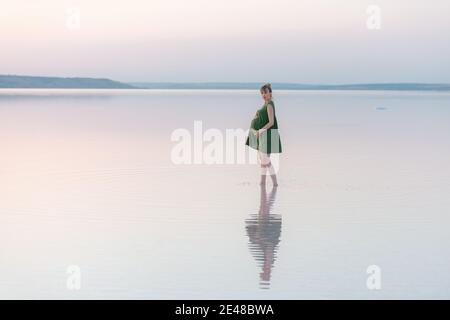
<point>263,135</point>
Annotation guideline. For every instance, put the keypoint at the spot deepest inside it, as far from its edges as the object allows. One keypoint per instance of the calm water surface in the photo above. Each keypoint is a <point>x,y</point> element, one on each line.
<point>86,179</point>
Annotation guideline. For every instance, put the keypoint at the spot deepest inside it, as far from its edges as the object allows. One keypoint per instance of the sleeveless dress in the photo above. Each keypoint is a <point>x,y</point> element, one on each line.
<point>269,142</point>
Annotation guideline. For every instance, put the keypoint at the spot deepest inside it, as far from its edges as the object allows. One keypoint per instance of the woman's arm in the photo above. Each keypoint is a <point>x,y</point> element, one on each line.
<point>271,119</point>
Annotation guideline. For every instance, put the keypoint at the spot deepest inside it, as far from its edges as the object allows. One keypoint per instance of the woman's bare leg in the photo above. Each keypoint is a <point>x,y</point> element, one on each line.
<point>263,168</point>
<point>267,165</point>
<point>274,180</point>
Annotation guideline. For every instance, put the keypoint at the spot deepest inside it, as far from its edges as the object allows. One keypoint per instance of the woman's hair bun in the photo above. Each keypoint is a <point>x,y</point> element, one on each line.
<point>267,86</point>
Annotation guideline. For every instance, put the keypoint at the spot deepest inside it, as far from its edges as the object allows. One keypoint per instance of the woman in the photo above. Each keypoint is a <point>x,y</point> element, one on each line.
<point>263,135</point>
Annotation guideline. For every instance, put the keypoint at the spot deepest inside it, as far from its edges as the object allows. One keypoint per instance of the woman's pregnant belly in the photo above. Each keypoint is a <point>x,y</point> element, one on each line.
<point>256,122</point>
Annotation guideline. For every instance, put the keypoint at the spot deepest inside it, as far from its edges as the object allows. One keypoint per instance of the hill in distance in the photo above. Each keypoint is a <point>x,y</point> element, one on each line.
<point>15,81</point>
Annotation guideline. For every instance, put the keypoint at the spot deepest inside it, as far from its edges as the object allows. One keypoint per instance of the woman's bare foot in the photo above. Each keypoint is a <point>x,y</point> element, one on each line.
<point>263,180</point>
<point>274,180</point>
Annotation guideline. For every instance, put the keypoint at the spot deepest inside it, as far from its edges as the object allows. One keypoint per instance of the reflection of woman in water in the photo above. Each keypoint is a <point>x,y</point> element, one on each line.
<point>263,135</point>
<point>264,230</point>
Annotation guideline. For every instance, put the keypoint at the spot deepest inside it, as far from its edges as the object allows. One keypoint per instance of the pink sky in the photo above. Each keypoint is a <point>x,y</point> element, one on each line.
<point>312,41</point>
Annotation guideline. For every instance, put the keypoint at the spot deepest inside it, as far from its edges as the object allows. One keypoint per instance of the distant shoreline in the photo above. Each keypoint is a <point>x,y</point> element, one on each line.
<point>37,82</point>
<point>295,86</point>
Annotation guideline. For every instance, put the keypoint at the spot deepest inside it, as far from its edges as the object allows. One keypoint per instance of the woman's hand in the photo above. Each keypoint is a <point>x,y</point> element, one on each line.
<point>260,132</point>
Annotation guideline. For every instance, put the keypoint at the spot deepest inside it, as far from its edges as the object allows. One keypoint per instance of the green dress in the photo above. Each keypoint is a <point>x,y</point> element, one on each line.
<point>269,142</point>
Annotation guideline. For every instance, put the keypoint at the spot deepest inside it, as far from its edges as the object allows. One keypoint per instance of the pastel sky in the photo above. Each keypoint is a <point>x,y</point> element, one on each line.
<point>304,41</point>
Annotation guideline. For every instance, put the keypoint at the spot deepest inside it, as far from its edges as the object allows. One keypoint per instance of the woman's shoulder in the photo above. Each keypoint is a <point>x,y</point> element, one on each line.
<point>270,102</point>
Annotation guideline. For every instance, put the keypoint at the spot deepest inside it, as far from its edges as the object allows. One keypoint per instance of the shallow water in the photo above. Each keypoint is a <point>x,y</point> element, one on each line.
<point>87,179</point>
